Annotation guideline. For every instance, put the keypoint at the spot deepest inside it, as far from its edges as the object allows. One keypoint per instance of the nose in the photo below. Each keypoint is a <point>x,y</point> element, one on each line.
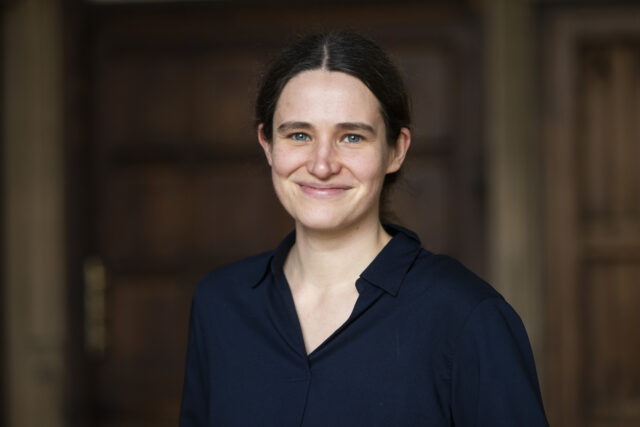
<point>323,161</point>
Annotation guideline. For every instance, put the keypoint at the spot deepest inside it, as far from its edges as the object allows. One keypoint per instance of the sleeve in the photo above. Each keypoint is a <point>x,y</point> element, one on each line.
<point>494,381</point>
<point>194,410</point>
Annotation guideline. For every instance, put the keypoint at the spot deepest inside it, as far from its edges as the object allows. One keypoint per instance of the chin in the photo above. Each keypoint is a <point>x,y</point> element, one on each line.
<point>321,222</point>
<point>329,218</point>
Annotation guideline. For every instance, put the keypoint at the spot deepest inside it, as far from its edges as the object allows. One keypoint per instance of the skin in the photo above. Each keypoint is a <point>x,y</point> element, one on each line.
<point>328,158</point>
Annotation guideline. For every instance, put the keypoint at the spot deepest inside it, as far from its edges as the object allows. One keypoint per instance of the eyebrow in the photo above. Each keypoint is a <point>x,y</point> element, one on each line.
<point>357,126</point>
<point>285,126</point>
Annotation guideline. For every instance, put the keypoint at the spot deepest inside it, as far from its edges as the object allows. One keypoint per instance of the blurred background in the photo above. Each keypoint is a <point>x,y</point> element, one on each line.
<point>130,167</point>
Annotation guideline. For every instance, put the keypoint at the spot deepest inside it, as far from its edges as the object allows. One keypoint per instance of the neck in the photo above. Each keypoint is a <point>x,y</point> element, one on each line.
<point>333,260</point>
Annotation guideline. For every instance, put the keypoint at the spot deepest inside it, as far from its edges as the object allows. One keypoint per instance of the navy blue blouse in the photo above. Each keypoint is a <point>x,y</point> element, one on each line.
<point>428,344</point>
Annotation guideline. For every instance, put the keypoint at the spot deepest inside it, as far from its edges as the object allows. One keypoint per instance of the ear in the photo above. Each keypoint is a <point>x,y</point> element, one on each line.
<point>399,150</point>
<point>264,143</point>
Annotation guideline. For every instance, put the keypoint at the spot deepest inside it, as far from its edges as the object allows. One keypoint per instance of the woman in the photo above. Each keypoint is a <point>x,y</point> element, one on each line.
<point>349,322</point>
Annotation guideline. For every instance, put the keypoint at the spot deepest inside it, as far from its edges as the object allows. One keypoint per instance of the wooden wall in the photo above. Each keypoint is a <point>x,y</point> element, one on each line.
<point>591,143</point>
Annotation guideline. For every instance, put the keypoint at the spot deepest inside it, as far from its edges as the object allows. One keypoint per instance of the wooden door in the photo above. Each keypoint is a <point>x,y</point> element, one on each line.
<point>179,185</point>
<point>592,153</point>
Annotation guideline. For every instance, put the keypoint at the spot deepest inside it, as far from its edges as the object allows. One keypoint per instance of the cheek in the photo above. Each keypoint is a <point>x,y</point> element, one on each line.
<point>370,168</point>
<point>284,162</point>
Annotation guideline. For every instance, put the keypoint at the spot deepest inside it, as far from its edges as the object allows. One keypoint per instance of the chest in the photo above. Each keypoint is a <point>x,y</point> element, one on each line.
<point>379,369</point>
<point>321,314</point>
<point>382,366</point>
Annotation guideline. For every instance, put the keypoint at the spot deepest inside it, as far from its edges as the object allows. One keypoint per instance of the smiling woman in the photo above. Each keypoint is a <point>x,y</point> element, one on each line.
<point>349,322</point>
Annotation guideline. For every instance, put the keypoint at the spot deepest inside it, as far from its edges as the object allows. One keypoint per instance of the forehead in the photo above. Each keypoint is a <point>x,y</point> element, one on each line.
<point>327,96</point>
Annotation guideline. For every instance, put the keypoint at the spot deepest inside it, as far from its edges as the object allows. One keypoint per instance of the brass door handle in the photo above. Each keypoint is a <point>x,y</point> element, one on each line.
<point>95,289</point>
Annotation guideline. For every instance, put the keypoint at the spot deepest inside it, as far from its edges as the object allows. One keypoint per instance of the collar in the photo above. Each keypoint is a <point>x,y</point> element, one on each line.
<point>274,261</point>
<point>389,268</point>
<point>386,271</point>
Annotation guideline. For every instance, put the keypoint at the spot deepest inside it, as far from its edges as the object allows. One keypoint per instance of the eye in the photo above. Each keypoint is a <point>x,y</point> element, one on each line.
<point>300,136</point>
<point>352,139</point>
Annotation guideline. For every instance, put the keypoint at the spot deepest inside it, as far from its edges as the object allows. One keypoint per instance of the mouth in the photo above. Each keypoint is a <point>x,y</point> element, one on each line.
<point>321,190</point>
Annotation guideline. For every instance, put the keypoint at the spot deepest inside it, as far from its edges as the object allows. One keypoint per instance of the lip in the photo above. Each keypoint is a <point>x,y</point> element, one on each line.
<point>321,190</point>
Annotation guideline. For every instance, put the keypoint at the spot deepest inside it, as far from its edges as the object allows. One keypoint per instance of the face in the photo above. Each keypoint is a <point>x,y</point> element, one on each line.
<point>329,153</point>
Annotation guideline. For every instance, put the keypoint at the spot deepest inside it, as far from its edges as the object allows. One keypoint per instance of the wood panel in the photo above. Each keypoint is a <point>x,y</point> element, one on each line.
<point>146,320</point>
<point>592,149</point>
<point>609,76</point>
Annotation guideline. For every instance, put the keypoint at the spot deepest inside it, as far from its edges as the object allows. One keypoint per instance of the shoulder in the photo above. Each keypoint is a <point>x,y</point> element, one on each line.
<point>451,282</point>
<point>233,278</point>
<point>468,308</point>
<point>449,294</point>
